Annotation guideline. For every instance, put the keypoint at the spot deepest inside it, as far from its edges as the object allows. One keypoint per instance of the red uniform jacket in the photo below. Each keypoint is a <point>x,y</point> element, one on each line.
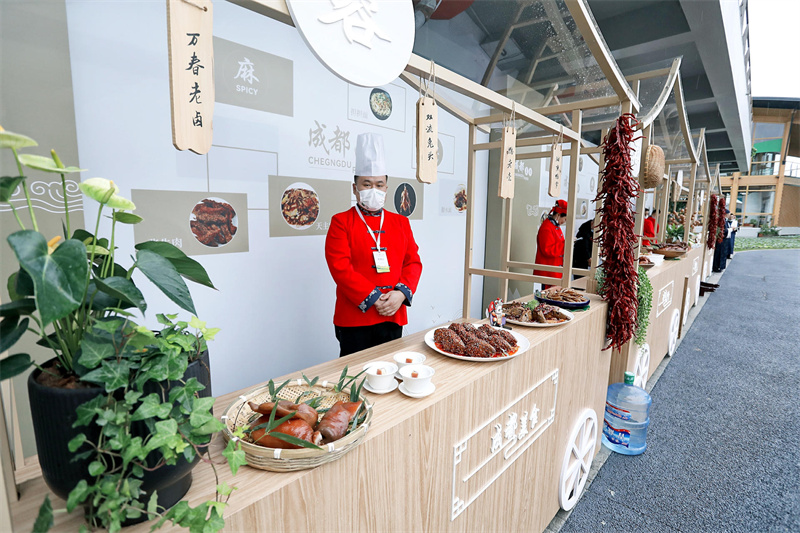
<point>348,251</point>
<point>549,248</point>
<point>649,230</point>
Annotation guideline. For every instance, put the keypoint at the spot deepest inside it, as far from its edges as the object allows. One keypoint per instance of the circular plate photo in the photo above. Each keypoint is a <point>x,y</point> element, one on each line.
<point>380,102</point>
<point>300,205</point>
<point>213,222</point>
<point>522,343</point>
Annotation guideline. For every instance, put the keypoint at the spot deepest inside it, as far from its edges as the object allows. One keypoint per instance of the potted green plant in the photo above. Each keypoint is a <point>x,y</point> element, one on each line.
<point>118,412</point>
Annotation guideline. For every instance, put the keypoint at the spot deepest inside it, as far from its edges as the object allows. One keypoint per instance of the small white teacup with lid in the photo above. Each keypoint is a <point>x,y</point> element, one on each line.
<point>408,358</point>
<point>380,375</point>
<point>417,378</point>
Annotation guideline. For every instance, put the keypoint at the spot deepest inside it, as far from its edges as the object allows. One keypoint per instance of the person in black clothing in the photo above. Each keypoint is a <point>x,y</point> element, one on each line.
<point>721,249</point>
<point>582,249</point>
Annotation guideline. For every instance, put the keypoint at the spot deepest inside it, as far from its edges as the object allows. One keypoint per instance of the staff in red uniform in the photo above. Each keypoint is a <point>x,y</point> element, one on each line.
<point>373,258</point>
<point>649,229</point>
<point>550,241</point>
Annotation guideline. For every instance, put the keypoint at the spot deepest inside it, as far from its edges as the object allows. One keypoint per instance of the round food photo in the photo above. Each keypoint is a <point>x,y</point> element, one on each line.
<point>213,222</point>
<point>405,200</point>
<point>300,205</point>
<point>460,198</point>
<point>380,103</point>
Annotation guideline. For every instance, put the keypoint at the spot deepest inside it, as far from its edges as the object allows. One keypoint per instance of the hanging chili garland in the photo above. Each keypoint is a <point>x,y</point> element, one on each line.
<point>617,238</point>
<point>711,238</point>
<point>720,219</point>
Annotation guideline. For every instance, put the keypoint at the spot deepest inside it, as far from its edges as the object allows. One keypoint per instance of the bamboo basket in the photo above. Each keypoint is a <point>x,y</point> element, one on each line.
<point>288,460</point>
<point>653,167</point>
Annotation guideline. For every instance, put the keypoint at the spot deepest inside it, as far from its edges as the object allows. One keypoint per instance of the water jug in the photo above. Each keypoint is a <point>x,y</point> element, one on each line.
<point>626,417</point>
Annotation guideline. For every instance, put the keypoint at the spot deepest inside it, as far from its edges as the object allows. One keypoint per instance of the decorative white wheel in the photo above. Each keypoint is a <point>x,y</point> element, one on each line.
<point>674,324</point>
<point>642,368</point>
<point>578,459</point>
<point>696,291</point>
<point>687,299</point>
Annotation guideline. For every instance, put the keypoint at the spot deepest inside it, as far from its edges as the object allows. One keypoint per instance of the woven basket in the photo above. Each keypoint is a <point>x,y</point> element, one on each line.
<point>653,171</point>
<point>284,460</point>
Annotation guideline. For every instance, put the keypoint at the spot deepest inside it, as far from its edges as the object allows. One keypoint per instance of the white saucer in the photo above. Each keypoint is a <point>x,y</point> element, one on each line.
<point>382,391</point>
<point>428,392</point>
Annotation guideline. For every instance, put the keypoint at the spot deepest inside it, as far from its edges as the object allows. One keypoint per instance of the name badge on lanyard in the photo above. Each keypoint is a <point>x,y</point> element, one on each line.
<point>380,257</point>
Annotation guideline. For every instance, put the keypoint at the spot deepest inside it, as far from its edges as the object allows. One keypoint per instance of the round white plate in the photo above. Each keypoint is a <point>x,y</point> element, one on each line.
<point>384,391</point>
<point>522,343</point>
<point>563,312</point>
<point>410,394</point>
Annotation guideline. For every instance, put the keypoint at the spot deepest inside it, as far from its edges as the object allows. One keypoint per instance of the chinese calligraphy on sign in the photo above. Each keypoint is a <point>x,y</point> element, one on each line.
<point>505,187</point>
<point>246,71</point>
<point>427,139</point>
<point>357,20</point>
<point>340,142</point>
<point>191,74</point>
<point>554,189</point>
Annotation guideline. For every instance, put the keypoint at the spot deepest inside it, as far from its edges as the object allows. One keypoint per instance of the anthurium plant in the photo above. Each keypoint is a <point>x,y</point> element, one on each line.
<point>74,295</point>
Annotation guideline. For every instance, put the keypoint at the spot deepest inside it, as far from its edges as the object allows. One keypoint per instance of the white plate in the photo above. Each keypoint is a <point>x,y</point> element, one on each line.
<point>407,392</point>
<point>384,391</point>
<point>563,312</point>
<point>522,343</point>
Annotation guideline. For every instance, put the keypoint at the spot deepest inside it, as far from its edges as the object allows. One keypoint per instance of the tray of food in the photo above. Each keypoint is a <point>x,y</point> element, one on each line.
<point>645,262</point>
<point>561,297</point>
<point>536,316</point>
<point>299,424</point>
<point>480,344</point>
<point>673,249</point>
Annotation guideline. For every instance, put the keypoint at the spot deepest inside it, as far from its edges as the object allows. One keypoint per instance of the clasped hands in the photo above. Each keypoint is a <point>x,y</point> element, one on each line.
<point>389,303</point>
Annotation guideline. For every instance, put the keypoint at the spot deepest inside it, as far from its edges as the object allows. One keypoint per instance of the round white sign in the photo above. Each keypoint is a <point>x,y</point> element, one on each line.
<point>364,42</point>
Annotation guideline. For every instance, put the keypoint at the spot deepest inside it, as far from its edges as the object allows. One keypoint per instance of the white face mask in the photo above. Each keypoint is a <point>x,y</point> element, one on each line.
<point>372,199</point>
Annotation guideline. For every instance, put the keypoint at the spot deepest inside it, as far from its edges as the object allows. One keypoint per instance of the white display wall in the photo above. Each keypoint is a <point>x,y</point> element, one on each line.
<point>275,301</point>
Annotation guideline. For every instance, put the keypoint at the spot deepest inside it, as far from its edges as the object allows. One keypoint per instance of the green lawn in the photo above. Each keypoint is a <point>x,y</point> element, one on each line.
<point>766,243</point>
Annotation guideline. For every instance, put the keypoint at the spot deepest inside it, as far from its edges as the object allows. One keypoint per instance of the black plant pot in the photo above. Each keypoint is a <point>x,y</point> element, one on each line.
<point>53,411</point>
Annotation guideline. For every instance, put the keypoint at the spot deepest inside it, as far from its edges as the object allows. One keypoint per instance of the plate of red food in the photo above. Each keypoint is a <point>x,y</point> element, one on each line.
<point>481,344</point>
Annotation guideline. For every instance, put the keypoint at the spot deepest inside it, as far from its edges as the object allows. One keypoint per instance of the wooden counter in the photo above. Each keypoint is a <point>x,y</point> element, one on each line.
<point>452,461</point>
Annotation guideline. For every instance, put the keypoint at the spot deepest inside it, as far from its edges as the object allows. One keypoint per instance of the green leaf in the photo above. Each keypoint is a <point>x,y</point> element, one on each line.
<point>14,365</point>
<point>100,190</point>
<point>11,330</point>
<point>98,250</point>
<point>293,440</point>
<point>152,504</point>
<point>24,306</point>
<point>122,289</point>
<point>224,489</point>
<point>151,407</point>
<point>126,218</point>
<point>235,455</point>
<point>161,272</point>
<point>94,348</point>
<point>88,410</point>
<point>112,374</point>
<point>186,266</point>
<point>59,278</point>
<point>8,185</point>
<point>46,164</point>
<point>96,468</point>
<point>76,442</point>
<point>77,495</point>
<point>15,140</point>
<point>44,520</point>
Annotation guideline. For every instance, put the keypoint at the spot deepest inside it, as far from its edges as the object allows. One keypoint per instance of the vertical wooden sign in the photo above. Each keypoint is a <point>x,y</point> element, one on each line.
<point>191,73</point>
<point>556,161</point>
<point>508,162</point>
<point>427,139</point>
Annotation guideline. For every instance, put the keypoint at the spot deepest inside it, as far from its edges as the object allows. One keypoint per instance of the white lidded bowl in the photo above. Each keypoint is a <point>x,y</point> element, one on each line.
<point>382,380</point>
<point>402,359</point>
<point>421,382</point>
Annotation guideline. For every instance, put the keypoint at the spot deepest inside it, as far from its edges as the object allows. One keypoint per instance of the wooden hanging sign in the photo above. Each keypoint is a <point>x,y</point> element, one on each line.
<point>191,73</point>
<point>427,139</point>
<point>508,162</point>
<point>556,162</point>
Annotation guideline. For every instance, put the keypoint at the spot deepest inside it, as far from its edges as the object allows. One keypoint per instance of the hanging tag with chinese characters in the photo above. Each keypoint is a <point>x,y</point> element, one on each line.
<point>427,132</point>
<point>191,73</point>
<point>556,161</point>
<point>508,160</point>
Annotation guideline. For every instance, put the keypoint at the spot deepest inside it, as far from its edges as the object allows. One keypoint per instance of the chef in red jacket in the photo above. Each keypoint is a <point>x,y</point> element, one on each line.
<point>649,228</point>
<point>373,258</point>
<point>550,241</point>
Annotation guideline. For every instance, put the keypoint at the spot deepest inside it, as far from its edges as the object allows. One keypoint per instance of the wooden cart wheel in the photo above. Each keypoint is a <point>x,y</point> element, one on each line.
<point>686,306</point>
<point>578,459</point>
<point>642,368</point>
<point>674,324</point>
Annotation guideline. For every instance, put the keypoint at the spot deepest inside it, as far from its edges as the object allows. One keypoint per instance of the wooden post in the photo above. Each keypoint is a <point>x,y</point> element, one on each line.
<point>662,219</point>
<point>470,214</point>
<point>572,195</point>
<point>505,246</point>
<point>776,208</point>
<point>734,191</point>
<point>596,223</point>
<point>687,220</point>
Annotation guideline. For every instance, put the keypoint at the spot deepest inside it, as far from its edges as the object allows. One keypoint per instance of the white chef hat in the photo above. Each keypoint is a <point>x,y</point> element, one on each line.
<point>370,159</point>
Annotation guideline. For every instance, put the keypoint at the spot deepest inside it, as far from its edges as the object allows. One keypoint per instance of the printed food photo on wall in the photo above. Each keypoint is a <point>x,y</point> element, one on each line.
<point>300,205</point>
<point>213,222</point>
<point>304,206</point>
<point>404,197</point>
<point>380,102</point>
<point>405,200</point>
<point>452,198</point>
<point>383,106</point>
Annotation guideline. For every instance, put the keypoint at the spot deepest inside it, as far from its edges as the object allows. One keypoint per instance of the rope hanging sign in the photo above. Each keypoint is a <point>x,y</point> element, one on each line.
<point>427,130</point>
<point>556,161</point>
<point>508,160</point>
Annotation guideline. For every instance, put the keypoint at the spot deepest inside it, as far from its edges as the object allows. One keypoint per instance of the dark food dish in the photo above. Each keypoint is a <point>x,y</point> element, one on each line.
<point>212,222</point>
<point>467,340</point>
<point>460,199</point>
<point>300,207</point>
<point>380,103</point>
<point>560,297</point>
<point>541,314</point>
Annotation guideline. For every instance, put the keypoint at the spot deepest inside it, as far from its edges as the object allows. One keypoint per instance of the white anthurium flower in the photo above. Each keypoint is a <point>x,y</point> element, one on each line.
<point>105,192</point>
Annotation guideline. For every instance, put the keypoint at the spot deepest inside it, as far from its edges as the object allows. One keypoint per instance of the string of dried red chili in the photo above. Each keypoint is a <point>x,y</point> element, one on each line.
<point>720,219</point>
<point>617,239</point>
<point>711,238</point>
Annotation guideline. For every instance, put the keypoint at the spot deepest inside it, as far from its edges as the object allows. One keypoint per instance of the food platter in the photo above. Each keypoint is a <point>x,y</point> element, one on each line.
<point>563,305</point>
<point>522,346</point>
<point>569,317</point>
<point>670,253</point>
